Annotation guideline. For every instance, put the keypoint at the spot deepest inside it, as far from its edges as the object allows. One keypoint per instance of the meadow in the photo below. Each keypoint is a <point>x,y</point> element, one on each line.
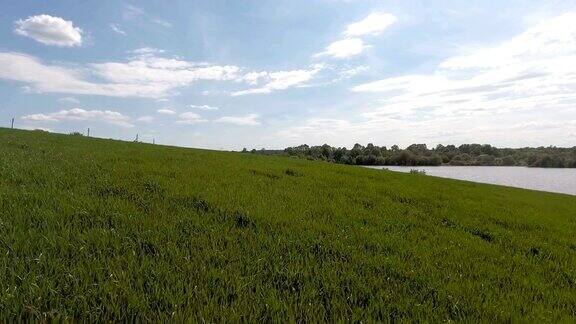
<point>94,229</point>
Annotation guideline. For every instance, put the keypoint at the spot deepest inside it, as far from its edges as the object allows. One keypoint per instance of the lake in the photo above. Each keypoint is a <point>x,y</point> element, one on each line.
<point>545,179</point>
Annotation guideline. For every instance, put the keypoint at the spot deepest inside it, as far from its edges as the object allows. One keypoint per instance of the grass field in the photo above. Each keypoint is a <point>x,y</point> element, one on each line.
<point>105,230</point>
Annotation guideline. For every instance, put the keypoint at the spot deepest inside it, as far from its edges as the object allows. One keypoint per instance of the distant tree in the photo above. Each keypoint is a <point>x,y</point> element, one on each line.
<point>508,161</point>
<point>358,147</point>
<point>420,155</point>
<point>461,159</point>
<point>339,154</point>
<point>548,161</point>
<point>405,158</point>
<point>485,159</point>
<point>326,151</point>
<point>433,160</point>
<point>418,149</point>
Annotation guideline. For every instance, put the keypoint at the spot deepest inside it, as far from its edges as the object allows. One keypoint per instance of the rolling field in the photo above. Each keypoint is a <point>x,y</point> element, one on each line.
<point>98,229</point>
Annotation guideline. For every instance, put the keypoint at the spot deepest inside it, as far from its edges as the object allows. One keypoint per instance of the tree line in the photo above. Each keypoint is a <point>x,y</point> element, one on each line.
<point>421,155</point>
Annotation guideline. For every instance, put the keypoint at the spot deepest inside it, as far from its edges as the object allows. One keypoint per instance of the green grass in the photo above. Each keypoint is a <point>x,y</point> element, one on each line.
<point>105,230</point>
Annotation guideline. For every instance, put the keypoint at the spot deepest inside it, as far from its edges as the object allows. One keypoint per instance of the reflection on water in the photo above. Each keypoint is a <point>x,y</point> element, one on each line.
<point>553,180</point>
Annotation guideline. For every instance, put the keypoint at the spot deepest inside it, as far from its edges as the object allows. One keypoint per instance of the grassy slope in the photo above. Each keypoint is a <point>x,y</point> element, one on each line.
<point>103,229</point>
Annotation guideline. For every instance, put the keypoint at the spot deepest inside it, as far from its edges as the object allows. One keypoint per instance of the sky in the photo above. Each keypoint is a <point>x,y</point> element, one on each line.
<point>270,74</point>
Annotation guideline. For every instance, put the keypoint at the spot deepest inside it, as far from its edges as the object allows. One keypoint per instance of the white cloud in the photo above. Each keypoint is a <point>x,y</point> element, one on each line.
<point>543,124</point>
<point>145,75</point>
<point>517,93</point>
<point>349,73</point>
<point>251,91</point>
<point>116,28</point>
<point>283,80</point>
<point>147,51</point>
<point>532,71</point>
<point>69,100</point>
<point>497,94</point>
<point>344,48</point>
<point>40,118</point>
<point>204,107</point>
<point>49,30</point>
<point>166,111</point>
<point>163,73</point>
<point>352,45</point>
<point>190,118</point>
<point>254,78</point>
<point>52,78</point>
<point>550,39</point>
<point>79,114</point>
<point>374,24</point>
<point>248,120</point>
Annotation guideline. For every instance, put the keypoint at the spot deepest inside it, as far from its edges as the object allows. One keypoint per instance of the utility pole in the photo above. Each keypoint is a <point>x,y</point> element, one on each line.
<point>12,127</point>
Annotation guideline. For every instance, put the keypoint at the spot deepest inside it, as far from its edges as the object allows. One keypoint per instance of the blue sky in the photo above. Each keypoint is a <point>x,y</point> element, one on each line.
<point>233,74</point>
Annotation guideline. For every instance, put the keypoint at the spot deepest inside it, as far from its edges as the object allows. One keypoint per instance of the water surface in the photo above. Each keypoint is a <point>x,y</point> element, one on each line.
<point>545,179</point>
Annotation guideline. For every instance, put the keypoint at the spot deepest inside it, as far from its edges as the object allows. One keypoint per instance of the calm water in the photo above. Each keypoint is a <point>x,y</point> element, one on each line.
<point>553,180</point>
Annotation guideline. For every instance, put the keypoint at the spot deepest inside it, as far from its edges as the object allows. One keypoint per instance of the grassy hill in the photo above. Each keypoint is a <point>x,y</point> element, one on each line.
<point>101,229</point>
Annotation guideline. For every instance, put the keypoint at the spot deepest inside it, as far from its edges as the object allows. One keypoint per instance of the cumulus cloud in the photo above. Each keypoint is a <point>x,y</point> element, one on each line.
<point>352,45</point>
<point>144,75</point>
<point>248,120</point>
<point>79,114</point>
<point>373,24</point>
<point>283,80</point>
<point>349,73</point>
<point>344,48</point>
<point>532,71</point>
<point>49,30</point>
<point>147,51</point>
<point>53,78</point>
<point>190,118</point>
<point>253,78</point>
<point>166,111</point>
<point>516,93</point>
<point>204,107</point>
<point>164,72</point>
